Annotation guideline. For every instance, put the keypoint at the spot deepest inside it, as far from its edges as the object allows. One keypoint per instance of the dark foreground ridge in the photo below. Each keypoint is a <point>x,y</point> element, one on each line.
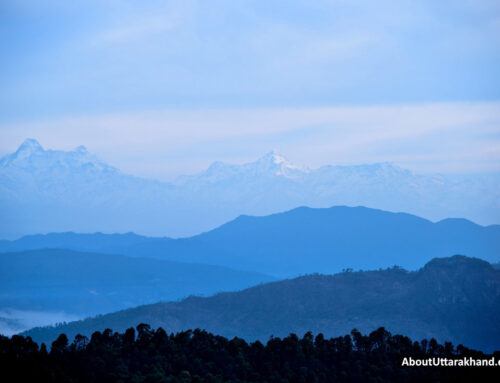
<point>198,356</point>
<point>454,299</point>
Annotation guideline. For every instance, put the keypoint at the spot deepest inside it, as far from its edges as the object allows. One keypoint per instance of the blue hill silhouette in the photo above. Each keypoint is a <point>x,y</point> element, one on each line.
<point>299,241</point>
<point>82,283</point>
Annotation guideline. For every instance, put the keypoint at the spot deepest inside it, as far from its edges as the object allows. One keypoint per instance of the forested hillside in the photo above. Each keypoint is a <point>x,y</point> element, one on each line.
<point>452,299</point>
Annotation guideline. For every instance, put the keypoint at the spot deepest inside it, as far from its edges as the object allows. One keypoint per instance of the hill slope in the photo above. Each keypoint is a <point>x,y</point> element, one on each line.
<point>452,299</point>
<point>88,284</point>
<point>306,240</point>
<point>303,240</point>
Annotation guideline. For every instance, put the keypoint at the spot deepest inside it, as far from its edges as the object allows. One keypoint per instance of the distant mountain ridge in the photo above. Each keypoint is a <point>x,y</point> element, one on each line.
<point>83,283</point>
<point>84,242</point>
<point>45,191</point>
<point>302,240</point>
<point>451,299</point>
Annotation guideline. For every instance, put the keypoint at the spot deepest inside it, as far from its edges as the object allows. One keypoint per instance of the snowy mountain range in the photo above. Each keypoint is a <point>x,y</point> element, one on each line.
<point>54,191</point>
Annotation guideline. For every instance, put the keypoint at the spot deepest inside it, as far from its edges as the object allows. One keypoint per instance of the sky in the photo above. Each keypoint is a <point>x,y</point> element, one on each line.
<point>159,88</point>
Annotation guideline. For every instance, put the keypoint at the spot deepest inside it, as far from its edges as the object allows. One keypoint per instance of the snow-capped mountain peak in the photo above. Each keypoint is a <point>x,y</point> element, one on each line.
<point>270,165</point>
<point>274,157</point>
<point>275,164</point>
<point>32,157</point>
<point>28,147</point>
<point>90,195</point>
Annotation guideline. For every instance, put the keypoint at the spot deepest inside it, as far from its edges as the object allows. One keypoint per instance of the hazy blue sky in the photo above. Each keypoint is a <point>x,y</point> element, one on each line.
<point>162,87</point>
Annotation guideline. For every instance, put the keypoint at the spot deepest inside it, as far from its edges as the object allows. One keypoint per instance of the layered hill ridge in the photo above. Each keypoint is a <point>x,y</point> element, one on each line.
<point>300,241</point>
<point>45,191</point>
<point>81,284</point>
<point>451,299</point>
<point>306,240</point>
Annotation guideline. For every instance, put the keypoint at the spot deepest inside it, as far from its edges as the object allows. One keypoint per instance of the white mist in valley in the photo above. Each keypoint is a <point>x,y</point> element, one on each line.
<point>14,321</point>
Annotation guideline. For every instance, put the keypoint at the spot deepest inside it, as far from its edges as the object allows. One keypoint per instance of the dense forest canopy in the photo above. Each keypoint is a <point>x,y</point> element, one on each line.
<point>147,355</point>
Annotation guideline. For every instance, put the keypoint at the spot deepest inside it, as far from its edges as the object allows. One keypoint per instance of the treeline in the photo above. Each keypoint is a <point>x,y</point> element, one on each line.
<point>147,355</point>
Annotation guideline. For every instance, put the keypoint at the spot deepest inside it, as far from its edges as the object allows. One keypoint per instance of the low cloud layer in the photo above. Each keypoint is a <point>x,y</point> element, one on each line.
<point>14,321</point>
